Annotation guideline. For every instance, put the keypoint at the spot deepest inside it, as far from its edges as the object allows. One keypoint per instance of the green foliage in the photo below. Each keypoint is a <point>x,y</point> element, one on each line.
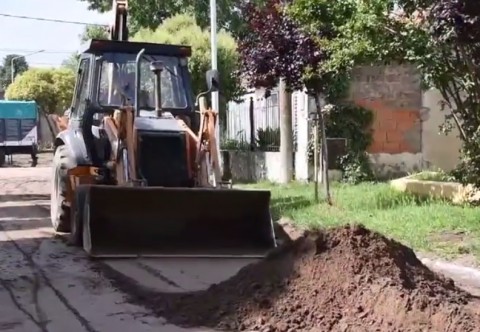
<point>356,167</point>
<point>268,139</point>
<point>438,176</point>
<point>235,145</point>
<point>442,38</point>
<point>72,62</point>
<point>20,65</point>
<point>94,32</point>
<point>354,124</point>
<point>151,13</point>
<point>52,89</point>
<point>349,31</point>
<point>183,30</point>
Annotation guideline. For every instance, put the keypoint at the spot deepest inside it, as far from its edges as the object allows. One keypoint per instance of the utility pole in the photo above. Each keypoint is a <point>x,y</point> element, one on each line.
<point>12,69</point>
<point>214,50</point>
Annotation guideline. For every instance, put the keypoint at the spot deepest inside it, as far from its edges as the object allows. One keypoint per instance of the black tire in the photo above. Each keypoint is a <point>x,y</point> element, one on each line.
<point>3,157</point>
<point>34,155</point>
<point>77,213</point>
<point>59,212</point>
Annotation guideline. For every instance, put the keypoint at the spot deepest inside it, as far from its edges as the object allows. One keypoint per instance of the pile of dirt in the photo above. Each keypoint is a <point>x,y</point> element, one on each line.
<point>346,279</point>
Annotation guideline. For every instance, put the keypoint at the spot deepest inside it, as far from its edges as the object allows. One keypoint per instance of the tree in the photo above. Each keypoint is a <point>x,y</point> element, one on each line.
<point>20,65</point>
<point>72,62</point>
<point>94,32</point>
<point>182,29</point>
<point>351,32</point>
<point>52,89</point>
<point>275,50</point>
<point>152,13</point>
<point>443,38</point>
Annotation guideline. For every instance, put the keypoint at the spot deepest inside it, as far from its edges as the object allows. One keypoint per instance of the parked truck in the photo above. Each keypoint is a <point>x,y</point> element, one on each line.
<point>18,129</point>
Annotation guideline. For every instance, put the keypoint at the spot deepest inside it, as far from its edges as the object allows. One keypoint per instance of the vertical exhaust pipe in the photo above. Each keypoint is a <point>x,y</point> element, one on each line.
<point>157,67</point>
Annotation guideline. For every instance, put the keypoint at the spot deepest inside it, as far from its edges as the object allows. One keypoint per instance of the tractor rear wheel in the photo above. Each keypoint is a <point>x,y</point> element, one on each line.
<point>59,211</point>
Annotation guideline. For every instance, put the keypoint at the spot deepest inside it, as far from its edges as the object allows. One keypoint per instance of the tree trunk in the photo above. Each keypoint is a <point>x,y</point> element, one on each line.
<point>286,134</point>
<point>315,158</point>
<point>324,151</point>
<point>252,125</point>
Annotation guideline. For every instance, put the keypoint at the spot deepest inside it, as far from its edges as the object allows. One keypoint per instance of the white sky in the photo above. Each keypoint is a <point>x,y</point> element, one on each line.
<point>59,40</point>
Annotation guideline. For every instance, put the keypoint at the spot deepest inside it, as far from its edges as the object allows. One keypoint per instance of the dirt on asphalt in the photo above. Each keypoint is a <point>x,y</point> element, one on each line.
<point>346,279</point>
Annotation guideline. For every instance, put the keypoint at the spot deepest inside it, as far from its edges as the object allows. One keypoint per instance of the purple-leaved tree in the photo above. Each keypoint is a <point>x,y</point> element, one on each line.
<point>274,50</point>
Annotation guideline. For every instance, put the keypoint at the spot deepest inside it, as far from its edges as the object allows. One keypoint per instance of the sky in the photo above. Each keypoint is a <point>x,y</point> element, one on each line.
<point>59,40</point>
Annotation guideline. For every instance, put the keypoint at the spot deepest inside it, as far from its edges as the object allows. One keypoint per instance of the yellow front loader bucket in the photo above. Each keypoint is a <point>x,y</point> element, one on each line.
<point>179,222</point>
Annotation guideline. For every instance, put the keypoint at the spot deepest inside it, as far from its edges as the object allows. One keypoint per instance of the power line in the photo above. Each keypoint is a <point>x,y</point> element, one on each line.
<point>51,20</point>
<point>12,50</point>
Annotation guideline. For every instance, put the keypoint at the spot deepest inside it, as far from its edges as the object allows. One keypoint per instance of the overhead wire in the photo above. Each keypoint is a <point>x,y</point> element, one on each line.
<point>15,50</point>
<point>51,20</point>
<point>5,50</point>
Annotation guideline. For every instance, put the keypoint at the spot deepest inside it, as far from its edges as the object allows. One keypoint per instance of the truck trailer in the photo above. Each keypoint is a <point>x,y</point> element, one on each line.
<point>18,129</point>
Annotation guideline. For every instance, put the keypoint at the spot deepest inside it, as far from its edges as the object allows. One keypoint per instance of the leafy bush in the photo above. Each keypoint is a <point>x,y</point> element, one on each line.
<point>354,124</point>
<point>268,139</point>
<point>235,145</point>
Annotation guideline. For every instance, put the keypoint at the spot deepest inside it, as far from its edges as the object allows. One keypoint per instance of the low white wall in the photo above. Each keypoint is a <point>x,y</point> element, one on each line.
<point>247,166</point>
<point>385,165</point>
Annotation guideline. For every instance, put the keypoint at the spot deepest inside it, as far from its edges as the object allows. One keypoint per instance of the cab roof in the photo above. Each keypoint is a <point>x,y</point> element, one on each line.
<point>100,46</point>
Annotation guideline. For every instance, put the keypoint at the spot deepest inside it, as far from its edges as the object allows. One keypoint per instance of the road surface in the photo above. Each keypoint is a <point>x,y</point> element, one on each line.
<point>45,285</point>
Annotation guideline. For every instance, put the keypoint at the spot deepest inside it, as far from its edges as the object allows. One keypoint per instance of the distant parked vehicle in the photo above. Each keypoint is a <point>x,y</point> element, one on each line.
<point>18,129</point>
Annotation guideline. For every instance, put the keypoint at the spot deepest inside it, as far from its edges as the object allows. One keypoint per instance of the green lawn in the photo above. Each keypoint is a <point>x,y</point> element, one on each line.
<point>427,225</point>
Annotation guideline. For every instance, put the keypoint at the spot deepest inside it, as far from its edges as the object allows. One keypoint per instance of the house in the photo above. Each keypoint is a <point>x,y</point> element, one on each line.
<point>405,129</point>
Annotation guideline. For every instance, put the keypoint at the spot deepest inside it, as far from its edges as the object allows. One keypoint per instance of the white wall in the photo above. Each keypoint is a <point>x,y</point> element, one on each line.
<point>439,150</point>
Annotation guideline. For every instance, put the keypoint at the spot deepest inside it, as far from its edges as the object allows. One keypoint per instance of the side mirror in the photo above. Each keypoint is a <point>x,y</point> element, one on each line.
<point>213,80</point>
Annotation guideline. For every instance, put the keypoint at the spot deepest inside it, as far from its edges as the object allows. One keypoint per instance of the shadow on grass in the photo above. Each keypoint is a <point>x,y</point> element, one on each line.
<point>283,205</point>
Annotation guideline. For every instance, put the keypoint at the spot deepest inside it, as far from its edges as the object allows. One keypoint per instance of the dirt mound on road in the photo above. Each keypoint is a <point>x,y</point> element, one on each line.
<point>347,279</point>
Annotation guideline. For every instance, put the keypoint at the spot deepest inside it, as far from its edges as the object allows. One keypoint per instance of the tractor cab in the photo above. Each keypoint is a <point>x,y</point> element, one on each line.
<point>107,78</point>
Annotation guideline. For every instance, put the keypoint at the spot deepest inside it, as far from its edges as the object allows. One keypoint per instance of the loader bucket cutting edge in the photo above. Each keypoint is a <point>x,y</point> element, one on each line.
<point>188,222</point>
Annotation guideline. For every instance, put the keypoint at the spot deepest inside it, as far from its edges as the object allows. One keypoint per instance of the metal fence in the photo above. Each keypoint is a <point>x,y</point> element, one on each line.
<point>252,127</point>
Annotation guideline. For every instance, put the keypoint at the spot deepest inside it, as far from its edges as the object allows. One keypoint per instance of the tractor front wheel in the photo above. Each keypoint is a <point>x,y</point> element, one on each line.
<point>59,211</point>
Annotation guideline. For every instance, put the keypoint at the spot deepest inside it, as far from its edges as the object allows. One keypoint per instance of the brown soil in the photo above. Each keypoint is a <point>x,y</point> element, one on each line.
<point>346,279</point>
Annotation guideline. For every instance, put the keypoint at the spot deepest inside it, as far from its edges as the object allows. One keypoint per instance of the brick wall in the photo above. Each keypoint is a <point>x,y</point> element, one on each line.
<point>394,95</point>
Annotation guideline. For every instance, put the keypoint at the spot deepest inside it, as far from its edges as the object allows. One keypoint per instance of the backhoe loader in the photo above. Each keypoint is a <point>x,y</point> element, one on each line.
<point>136,169</point>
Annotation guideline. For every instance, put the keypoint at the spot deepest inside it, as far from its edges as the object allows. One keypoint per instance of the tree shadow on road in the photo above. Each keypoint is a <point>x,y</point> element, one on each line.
<point>24,217</point>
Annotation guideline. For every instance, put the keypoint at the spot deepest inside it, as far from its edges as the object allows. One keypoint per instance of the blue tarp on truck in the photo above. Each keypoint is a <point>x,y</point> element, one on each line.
<point>18,128</point>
